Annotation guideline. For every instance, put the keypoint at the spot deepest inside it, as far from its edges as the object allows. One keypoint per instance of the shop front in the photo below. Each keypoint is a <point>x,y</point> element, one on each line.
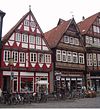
<point>24,81</point>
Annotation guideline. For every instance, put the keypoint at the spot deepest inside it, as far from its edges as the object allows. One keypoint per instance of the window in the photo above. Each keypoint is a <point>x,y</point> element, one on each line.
<point>6,55</point>
<point>32,24</point>
<point>33,57</point>
<point>26,22</point>
<point>32,39</point>
<point>66,39</point>
<point>18,37</point>
<point>98,59</point>
<point>47,58</point>
<point>71,40</point>
<point>87,39</point>
<point>64,56</point>
<point>81,58</point>
<point>94,59</point>
<point>58,55</point>
<point>26,84</point>
<point>24,38</point>
<point>89,59</point>
<point>38,40</point>
<point>91,40</point>
<point>22,57</point>
<point>96,29</point>
<point>15,56</point>
<point>41,58</point>
<point>95,41</point>
<point>69,56</point>
<point>75,58</point>
<point>76,41</point>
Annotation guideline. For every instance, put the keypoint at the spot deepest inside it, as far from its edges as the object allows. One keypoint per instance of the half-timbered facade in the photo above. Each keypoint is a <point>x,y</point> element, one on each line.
<point>90,30</point>
<point>68,55</point>
<point>26,57</point>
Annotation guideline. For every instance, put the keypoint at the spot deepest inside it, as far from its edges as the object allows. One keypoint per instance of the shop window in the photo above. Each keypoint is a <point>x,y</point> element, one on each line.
<point>26,84</point>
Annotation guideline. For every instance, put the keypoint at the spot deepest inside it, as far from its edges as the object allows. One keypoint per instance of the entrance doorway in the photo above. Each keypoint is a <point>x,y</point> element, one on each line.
<point>6,83</point>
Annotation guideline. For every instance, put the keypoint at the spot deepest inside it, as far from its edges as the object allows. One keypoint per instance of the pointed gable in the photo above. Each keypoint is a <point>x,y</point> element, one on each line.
<point>85,25</point>
<point>53,36</point>
<point>27,25</point>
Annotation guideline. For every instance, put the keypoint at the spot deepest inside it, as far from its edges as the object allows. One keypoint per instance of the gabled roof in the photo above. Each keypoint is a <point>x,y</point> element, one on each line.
<point>7,36</point>
<point>86,23</point>
<point>53,36</point>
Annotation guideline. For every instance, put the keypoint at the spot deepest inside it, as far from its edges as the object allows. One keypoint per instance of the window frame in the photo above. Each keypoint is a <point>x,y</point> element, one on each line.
<point>34,58</point>
<point>58,55</point>
<point>6,55</point>
<point>15,56</point>
<point>23,57</point>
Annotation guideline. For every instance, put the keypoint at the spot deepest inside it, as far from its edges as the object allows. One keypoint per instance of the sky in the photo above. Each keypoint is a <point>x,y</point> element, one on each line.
<point>47,12</point>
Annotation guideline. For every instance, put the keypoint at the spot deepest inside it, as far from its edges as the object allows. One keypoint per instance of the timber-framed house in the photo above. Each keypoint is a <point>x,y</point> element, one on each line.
<point>68,55</point>
<point>90,30</point>
<point>26,57</point>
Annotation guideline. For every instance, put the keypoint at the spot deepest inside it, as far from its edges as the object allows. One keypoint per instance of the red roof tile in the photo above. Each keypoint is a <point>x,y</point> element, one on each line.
<point>86,24</point>
<point>53,36</point>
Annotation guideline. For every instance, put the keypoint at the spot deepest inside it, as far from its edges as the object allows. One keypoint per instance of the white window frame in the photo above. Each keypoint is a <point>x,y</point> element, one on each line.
<point>15,56</point>
<point>32,24</point>
<point>91,40</point>
<point>95,41</point>
<point>69,56</point>
<point>76,41</point>
<point>26,22</point>
<point>38,40</point>
<point>94,59</point>
<point>98,58</point>
<point>22,57</point>
<point>40,57</point>
<point>66,39</point>
<point>31,39</point>
<point>89,59</point>
<point>64,59</point>
<point>33,57</point>
<point>71,40</point>
<point>47,58</point>
<point>6,55</point>
<point>25,38</point>
<point>58,55</point>
<point>87,39</point>
<point>94,28</point>
<point>75,57</point>
<point>81,58</point>
<point>18,37</point>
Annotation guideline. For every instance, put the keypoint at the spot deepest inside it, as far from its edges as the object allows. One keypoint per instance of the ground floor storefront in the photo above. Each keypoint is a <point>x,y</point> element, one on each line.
<point>24,81</point>
<point>69,80</point>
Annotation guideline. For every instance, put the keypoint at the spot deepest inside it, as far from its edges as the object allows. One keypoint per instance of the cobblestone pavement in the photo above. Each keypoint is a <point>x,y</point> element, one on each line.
<point>78,103</point>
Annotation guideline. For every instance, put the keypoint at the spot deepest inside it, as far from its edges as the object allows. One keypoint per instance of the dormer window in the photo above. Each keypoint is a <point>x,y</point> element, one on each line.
<point>66,39</point>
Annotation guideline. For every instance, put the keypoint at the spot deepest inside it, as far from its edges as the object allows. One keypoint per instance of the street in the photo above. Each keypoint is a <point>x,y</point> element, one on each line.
<point>78,103</point>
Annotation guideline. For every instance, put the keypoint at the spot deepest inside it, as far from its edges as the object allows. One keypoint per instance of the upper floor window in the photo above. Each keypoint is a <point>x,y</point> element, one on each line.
<point>38,40</point>
<point>58,55</point>
<point>98,56</point>
<point>15,56</point>
<point>69,56</point>
<point>22,57</point>
<point>71,39</point>
<point>32,39</point>
<point>89,59</point>
<point>81,58</point>
<point>96,29</point>
<point>18,37</point>
<point>64,56</point>
<point>41,57</point>
<point>87,39</point>
<point>75,57</point>
<point>6,55</point>
<point>24,38</point>
<point>66,39</point>
<point>95,41</point>
<point>26,22</point>
<point>94,59</point>
<point>91,40</point>
<point>76,41</point>
<point>47,58</point>
<point>33,57</point>
<point>32,24</point>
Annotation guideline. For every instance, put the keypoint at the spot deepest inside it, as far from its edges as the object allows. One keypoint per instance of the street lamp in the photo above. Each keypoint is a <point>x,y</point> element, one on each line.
<point>12,73</point>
